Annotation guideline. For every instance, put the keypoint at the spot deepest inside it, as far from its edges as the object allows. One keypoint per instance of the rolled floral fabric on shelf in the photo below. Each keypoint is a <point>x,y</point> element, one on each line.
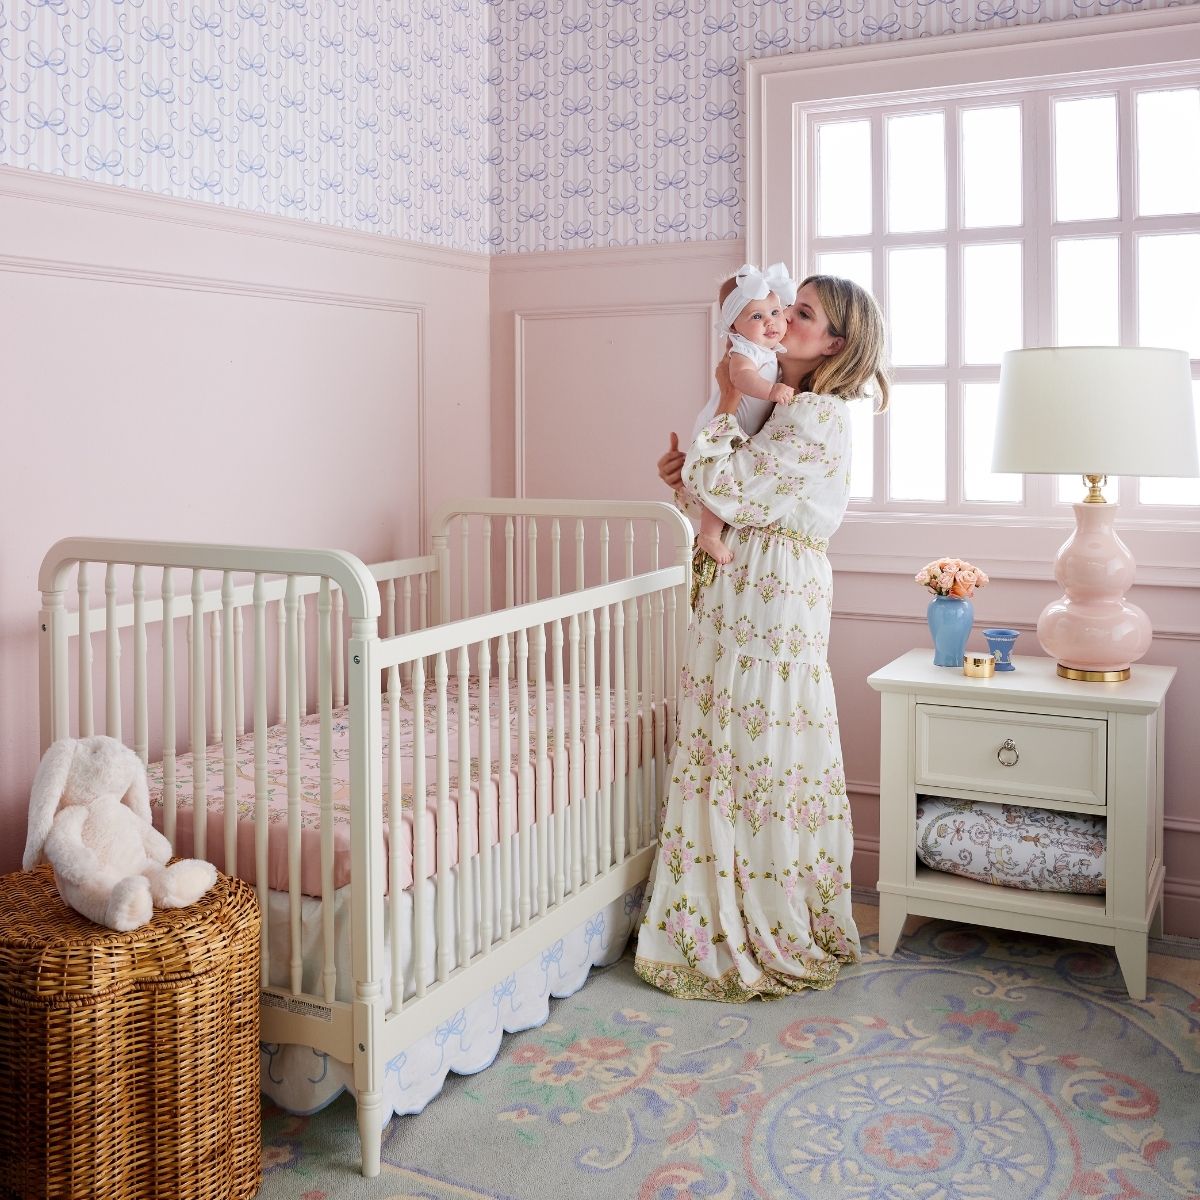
<point>1012,845</point>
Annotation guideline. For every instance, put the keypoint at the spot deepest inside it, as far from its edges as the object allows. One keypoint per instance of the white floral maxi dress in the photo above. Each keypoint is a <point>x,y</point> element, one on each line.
<point>750,892</point>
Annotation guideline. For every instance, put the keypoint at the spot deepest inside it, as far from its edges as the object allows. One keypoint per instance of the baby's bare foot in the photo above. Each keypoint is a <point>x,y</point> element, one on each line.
<point>714,548</point>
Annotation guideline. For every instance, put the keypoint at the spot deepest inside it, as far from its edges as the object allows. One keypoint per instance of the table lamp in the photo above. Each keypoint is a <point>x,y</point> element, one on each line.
<point>1095,411</point>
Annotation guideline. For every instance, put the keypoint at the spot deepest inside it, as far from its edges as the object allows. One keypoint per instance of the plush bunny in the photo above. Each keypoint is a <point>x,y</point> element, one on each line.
<point>89,817</point>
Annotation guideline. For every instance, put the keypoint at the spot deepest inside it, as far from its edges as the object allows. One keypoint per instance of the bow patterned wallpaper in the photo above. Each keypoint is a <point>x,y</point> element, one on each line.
<point>497,125</point>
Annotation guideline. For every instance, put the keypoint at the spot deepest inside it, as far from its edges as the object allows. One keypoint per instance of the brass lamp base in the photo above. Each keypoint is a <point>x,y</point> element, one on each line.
<point>1093,676</point>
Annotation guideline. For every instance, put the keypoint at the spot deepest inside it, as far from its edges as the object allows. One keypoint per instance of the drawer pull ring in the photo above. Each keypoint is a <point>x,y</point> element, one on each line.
<point>1009,747</point>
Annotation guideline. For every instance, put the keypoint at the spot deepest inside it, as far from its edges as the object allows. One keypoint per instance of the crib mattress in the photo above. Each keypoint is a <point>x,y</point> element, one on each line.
<point>1012,845</point>
<point>309,788</point>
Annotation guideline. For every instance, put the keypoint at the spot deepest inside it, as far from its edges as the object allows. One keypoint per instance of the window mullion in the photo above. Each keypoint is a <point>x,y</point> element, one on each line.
<point>879,269</point>
<point>955,347</point>
<point>1127,281</point>
<point>1038,264</point>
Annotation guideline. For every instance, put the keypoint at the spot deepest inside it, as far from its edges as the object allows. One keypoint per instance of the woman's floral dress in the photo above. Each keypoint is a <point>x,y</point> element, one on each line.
<point>750,895</point>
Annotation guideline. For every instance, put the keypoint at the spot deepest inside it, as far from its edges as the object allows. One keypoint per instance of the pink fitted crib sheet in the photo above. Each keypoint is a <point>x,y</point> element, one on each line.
<point>310,788</point>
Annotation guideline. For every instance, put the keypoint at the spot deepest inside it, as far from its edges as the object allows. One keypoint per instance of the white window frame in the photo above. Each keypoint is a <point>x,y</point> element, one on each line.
<point>785,94</point>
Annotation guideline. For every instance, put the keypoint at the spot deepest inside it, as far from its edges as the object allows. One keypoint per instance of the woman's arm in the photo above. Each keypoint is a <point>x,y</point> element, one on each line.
<point>755,482</point>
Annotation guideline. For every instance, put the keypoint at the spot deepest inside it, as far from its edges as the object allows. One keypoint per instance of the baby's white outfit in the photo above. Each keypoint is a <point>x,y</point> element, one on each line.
<point>752,413</point>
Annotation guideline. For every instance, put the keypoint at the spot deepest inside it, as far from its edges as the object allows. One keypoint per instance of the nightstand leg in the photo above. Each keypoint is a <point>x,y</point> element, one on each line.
<point>1156,922</point>
<point>892,912</point>
<point>1131,954</point>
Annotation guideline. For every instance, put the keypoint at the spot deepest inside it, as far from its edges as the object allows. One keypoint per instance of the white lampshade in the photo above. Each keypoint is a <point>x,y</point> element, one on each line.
<point>1096,410</point>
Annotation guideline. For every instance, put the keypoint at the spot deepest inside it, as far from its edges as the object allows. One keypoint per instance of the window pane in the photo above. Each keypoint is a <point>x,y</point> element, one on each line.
<point>1168,298</point>
<point>992,301</point>
<point>917,305</point>
<point>1086,308</point>
<point>1085,158</point>
<point>1073,488</point>
<point>850,264</point>
<point>843,178</point>
<point>980,482</point>
<point>1168,151</point>
<point>862,458</point>
<point>1174,491</point>
<point>991,166</point>
<point>916,172</point>
<point>917,452</point>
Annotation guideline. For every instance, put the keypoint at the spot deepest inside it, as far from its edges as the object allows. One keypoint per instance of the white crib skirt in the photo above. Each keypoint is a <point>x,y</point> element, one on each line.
<point>303,1080</point>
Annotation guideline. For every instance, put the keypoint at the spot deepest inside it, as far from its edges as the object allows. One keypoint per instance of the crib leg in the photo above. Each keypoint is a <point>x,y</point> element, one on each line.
<point>370,1131</point>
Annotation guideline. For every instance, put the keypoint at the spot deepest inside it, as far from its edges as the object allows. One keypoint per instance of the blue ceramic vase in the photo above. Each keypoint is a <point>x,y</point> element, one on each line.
<point>950,620</point>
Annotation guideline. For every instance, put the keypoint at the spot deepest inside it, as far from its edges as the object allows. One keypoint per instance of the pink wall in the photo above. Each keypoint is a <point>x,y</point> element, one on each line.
<point>178,371</point>
<point>616,344</point>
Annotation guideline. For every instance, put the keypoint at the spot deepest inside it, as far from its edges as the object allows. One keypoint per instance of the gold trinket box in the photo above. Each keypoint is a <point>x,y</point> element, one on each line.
<point>979,666</point>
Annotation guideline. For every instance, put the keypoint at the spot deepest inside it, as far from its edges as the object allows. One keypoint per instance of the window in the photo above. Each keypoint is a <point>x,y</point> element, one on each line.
<point>1025,207</point>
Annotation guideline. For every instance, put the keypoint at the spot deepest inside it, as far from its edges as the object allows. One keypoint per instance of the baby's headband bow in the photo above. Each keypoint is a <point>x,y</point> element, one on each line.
<point>752,284</point>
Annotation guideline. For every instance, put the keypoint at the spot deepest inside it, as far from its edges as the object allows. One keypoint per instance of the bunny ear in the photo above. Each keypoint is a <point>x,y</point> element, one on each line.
<point>48,785</point>
<point>137,795</point>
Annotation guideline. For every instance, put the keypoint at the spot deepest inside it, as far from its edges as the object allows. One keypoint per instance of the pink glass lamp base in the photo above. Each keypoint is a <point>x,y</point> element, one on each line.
<point>1092,630</point>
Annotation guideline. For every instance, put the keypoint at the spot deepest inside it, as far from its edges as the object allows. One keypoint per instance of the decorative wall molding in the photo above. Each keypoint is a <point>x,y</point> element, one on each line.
<point>20,184</point>
<point>705,310</point>
<point>842,614</point>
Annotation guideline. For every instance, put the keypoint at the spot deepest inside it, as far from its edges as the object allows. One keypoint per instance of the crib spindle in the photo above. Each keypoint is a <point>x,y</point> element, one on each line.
<point>484,817</point>
<point>580,553</point>
<point>170,802</point>
<point>395,823</point>
<point>199,735</point>
<point>646,714</point>
<point>239,673</point>
<point>591,786</point>
<point>302,654</point>
<point>531,538</point>
<point>659,685</point>
<point>389,607</point>
<point>444,918</point>
<point>292,687</point>
<point>141,715</point>
<point>525,777</point>
<point>487,564</point>
<point>281,662</point>
<point>633,816</point>
<point>420,820</point>
<point>112,656</point>
<point>577,804</point>
<point>86,728</point>
<point>229,728</point>
<point>555,558</point>
<point>466,909</point>
<point>541,783</point>
<point>510,574</point>
<point>464,547</point>
<point>325,711</point>
<point>506,839</point>
<point>559,816</point>
<point>339,643</point>
<point>629,541</point>
<point>260,770</point>
<point>607,747</point>
<point>620,734</point>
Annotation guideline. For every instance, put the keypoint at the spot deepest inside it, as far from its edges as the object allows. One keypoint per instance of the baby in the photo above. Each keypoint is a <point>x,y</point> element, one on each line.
<point>753,315</point>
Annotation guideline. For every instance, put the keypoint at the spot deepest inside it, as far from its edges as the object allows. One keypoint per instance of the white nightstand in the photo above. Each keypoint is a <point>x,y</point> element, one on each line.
<point>1094,748</point>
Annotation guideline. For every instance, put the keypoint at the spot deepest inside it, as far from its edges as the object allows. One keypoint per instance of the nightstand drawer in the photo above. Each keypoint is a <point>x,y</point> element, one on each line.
<point>1024,755</point>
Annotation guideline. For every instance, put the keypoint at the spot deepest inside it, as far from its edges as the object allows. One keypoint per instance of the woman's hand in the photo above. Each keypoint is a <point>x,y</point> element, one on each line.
<point>670,466</point>
<point>730,396</point>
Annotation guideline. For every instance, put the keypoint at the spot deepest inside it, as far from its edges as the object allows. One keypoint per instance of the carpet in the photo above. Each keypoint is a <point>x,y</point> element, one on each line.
<point>974,1065</point>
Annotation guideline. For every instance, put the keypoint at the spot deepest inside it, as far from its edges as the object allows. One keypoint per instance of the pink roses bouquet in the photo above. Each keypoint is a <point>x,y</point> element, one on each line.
<point>951,577</point>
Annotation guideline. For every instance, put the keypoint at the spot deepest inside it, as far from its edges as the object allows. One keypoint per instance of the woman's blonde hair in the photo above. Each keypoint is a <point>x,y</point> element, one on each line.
<point>855,317</point>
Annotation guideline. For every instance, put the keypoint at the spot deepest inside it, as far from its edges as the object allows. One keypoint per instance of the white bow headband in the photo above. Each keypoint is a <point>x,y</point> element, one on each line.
<point>752,284</point>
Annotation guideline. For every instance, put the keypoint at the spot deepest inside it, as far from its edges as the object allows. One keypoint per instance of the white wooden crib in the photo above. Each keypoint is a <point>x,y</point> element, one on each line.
<point>537,732</point>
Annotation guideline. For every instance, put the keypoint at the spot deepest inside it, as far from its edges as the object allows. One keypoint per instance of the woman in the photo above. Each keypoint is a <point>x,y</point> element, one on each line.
<point>750,895</point>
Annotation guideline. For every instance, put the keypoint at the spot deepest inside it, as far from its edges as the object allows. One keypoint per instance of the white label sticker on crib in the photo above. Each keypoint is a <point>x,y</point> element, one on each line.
<point>294,1004</point>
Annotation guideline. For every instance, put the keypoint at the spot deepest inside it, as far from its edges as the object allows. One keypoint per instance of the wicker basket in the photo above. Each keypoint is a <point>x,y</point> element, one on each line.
<point>128,1061</point>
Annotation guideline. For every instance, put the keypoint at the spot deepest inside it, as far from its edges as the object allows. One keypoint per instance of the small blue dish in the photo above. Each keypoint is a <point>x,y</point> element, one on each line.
<point>1000,643</point>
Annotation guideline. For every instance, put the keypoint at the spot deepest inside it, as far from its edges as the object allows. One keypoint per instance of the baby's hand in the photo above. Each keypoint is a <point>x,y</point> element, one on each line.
<point>781,394</point>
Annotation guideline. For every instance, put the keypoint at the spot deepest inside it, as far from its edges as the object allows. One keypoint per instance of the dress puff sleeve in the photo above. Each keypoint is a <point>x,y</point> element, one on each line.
<point>802,453</point>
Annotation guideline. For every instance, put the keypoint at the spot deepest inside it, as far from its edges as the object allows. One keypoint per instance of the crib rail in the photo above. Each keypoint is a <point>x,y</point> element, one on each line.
<point>495,553</point>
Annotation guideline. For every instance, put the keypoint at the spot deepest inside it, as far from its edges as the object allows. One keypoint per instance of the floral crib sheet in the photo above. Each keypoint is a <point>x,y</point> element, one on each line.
<point>310,787</point>
<point>1012,845</point>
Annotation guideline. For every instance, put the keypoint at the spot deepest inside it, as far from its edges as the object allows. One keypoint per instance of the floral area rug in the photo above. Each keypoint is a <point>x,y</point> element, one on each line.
<point>974,1065</point>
